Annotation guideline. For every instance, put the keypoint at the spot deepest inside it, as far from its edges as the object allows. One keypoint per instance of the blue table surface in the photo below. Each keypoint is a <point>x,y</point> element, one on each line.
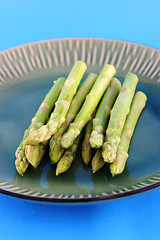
<point>24,21</point>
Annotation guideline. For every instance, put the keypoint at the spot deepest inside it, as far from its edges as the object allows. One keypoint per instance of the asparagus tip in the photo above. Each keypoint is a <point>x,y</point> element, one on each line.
<point>118,165</point>
<point>68,139</point>
<point>96,139</point>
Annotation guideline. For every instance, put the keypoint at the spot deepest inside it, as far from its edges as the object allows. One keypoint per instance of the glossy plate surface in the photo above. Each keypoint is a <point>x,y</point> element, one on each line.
<point>26,75</point>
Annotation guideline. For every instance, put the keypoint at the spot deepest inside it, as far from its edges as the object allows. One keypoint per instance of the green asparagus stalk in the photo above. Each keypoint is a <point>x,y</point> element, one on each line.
<point>100,120</point>
<point>45,132</point>
<point>89,105</point>
<point>97,161</point>
<point>118,116</point>
<point>68,157</point>
<point>39,119</point>
<point>86,146</point>
<point>55,148</point>
<point>137,106</point>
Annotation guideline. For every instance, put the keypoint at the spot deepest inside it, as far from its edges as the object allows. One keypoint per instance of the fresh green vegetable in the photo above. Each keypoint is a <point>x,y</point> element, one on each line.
<point>100,120</point>
<point>68,157</point>
<point>97,161</point>
<point>137,106</point>
<point>86,146</point>
<point>118,116</point>
<point>39,119</point>
<point>65,111</point>
<point>89,105</point>
<point>57,118</point>
<point>55,148</point>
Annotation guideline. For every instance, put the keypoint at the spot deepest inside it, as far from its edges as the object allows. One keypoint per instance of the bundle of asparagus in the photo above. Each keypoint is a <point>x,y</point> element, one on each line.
<point>61,107</point>
<point>55,148</point>
<point>39,119</point>
<point>100,99</point>
<point>89,105</point>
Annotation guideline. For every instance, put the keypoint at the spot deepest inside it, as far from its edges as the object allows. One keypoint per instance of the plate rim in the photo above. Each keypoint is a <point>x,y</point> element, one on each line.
<point>74,38</point>
<point>78,199</point>
<point>83,199</point>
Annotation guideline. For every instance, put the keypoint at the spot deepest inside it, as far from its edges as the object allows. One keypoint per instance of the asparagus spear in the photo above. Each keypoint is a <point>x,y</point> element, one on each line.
<point>100,120</point>
<point>89,105</point>
<point>97,161</point>
<point>39,119</point>
<point>45,132</point>
<point>137,106</point>
<point>86,146</point>
<point>55,148</point>
<point>68,157</point>
<point>118,117</point>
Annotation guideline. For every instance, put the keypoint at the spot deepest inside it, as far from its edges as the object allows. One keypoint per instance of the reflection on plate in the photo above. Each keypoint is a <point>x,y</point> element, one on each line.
<point>27,73</point>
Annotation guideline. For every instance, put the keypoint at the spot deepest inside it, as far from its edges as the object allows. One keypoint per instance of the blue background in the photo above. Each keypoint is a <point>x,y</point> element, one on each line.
<point>136,217</point>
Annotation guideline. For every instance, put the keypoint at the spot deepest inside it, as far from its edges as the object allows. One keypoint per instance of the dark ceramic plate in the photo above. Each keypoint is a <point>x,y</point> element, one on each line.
<point>27,73</point>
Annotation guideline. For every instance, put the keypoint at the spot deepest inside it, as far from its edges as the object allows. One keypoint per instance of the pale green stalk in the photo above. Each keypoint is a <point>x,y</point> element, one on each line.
<point>86,146</point>
<point>118,116</point>
<point>97,161</point>
<point>101,118</point>
<point>68,157</point>
<point>137,106</point>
